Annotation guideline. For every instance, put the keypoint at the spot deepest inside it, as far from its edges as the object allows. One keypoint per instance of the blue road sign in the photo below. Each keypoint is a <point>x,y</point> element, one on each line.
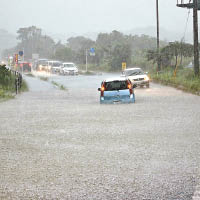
<point>21,53</point>
<point>92,52</point>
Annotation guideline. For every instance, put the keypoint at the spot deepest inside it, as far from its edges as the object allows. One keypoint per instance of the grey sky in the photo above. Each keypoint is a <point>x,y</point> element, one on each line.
<point>81,16</point>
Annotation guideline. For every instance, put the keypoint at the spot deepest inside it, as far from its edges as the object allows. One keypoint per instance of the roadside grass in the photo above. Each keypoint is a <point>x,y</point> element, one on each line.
<point>61,87</point>
<point>7,83</point>
<point>43,78</point>
<point>87,73</point>
<point>24,87</point>
<point>6,95</point>
<point>184,80</point>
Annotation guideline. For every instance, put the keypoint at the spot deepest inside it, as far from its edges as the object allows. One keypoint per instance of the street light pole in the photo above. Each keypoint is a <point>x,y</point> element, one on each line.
<point>158,36</point>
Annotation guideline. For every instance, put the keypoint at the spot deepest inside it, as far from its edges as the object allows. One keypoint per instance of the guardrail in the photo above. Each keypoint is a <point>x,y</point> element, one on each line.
<point>18,80</point>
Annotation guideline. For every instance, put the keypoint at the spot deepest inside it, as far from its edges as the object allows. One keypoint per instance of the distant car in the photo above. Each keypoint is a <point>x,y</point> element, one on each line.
<point>137,76</point>
<point>117,90</point>
<point>54,66</point>
<point>41,65</point>
<point>25,66</point>
<point>68,68</point>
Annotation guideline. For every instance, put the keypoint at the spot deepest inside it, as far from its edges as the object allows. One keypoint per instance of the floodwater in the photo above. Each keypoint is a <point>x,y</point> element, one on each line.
<point>58,144</point>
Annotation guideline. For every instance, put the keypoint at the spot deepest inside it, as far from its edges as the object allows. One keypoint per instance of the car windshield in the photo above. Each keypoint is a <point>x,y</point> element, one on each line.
<point>42,62</point>
<point>56,64</point>
<point>68,65</point>
<point>116,85</point>
<point>134,72</point>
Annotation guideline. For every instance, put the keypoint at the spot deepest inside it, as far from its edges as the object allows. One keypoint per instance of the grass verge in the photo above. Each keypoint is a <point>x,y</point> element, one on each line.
<point>61,87</point>
<point>184,80</point>
<point>43,78</point>
<point>6,94</point>
<point>30,75</point>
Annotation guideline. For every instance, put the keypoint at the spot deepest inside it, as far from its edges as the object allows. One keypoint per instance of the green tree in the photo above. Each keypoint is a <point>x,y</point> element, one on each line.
<point>64,54</point>
<point>32,41</point>
<point>171,52</point>
<point>121,53</point>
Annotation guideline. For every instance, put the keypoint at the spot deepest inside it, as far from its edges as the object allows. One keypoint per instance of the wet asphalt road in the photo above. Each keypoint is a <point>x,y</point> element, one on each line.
<point>64,145</point>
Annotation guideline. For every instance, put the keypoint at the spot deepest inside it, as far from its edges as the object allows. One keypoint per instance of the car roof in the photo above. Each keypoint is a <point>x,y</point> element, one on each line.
<point>116,79</point>
<point>132,68</point>
<point>68,63</point>
<point>41,59</point>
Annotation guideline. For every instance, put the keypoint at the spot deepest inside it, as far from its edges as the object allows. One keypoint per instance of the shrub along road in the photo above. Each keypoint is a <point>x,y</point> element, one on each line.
<point>57,144</point>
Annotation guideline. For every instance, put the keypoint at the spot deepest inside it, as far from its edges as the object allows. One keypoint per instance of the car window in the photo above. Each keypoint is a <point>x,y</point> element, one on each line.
<point>68,65</point>
<point>116,85</point>
<point>134,72</point>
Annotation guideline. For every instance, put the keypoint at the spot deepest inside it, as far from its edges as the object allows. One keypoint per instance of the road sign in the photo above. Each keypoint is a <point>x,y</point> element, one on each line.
<point>123,66</point>
<point>21,53</point>
<point>92,52</point>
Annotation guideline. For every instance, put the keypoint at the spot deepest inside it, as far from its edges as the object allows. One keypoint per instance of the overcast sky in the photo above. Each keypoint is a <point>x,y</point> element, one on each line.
<point>82,16</point>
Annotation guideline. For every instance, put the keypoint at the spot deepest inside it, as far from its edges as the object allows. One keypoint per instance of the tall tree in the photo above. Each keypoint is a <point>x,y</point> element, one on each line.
<point>32,41</point>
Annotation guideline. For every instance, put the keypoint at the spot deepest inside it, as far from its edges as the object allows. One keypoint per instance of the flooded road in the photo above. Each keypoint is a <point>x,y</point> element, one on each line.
<point>59,144</point>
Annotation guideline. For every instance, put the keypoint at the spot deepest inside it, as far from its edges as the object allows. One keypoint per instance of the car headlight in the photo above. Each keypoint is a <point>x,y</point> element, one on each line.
<point>146,78</point>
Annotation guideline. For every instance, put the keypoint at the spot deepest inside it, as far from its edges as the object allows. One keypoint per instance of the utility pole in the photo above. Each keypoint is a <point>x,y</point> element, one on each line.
<point>195,6</point>
<point>196,41</point>
<point>158,37</point>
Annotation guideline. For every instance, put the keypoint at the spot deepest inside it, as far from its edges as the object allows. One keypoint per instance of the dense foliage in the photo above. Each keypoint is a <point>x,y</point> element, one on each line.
<point>111,49</point>
<point>171,52</point>
<point>7,80</point>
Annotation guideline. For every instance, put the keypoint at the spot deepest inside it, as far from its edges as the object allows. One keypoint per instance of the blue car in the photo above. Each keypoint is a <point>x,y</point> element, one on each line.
<point>117,90</point>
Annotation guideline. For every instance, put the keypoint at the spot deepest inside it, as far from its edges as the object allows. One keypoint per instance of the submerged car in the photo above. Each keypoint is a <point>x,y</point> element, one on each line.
<point>137,76</point>
<point>68,69</point>
<point>117,90</point>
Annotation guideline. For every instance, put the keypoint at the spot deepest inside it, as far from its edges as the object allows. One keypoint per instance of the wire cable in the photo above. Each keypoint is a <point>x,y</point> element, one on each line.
<point>186,25</point>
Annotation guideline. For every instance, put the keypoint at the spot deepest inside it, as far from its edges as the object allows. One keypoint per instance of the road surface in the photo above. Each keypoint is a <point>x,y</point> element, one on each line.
<point>59,144</point>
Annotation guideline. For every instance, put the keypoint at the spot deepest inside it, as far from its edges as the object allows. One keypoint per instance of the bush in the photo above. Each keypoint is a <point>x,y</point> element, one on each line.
<point>7,83</point>
<point>7,79</point>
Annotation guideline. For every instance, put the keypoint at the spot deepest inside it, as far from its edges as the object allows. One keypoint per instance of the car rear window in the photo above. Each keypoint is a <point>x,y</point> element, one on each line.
<point>26,65</point>
<point>116,85</point>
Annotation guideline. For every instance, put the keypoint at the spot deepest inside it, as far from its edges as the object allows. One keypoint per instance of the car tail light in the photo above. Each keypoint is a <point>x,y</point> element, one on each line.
<point>102,90</point>
<point>129,86</point>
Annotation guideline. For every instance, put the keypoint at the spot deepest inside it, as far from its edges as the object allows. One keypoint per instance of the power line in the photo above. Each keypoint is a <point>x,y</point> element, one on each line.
<point>186,25</point>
